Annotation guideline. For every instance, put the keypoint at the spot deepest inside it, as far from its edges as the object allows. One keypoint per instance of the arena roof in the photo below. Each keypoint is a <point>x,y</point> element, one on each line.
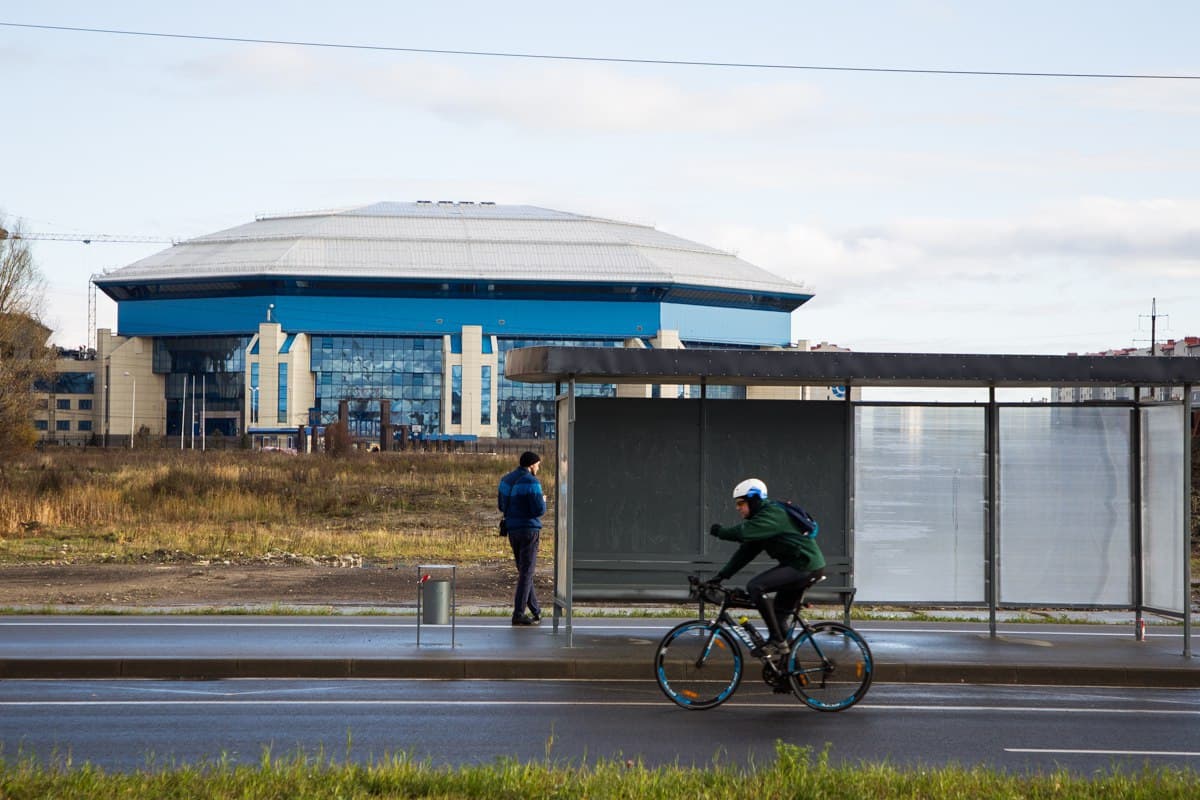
<point>452,241</point>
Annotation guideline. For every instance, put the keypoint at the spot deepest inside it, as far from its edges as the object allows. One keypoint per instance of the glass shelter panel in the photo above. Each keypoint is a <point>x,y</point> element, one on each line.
<point>1065,506</point>
<point>919,481</point>
<point>1162,507</point>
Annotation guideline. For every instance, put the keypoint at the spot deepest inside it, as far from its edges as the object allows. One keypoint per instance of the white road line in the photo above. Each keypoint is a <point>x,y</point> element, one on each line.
<point>1047,751</point>
<point>527,702</point>
<point>1032,710</point>
<point>160,703</point>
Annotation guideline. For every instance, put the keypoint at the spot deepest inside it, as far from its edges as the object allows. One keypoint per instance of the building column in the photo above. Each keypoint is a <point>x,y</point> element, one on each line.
<point>469,364</point>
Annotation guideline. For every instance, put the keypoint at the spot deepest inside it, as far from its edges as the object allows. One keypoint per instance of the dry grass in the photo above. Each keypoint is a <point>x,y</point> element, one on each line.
<point>89,505</point>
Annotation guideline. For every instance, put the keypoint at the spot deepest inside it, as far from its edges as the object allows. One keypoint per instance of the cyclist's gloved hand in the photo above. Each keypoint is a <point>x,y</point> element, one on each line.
<point>712,531</point>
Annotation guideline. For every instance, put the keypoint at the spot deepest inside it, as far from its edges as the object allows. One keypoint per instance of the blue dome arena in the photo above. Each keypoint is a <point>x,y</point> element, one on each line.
<point>273,324</point>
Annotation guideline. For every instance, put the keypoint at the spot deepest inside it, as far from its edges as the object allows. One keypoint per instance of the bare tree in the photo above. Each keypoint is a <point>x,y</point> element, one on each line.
<point>25,357</point>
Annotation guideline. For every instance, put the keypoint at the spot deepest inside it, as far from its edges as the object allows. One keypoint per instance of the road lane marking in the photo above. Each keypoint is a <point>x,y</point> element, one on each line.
<point>1063,752</point>
<point>528,702</point>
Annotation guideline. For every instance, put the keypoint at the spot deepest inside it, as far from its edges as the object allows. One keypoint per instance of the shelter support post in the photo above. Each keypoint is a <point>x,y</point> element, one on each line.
<point>1187,517</point>
<point>850,489</point>
<point>1137,512</point>
<point>992,521</point>
<point>564,512</point>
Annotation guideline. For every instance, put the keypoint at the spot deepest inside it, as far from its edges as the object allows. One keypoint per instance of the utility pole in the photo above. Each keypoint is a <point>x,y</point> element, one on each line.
<point>1154,315</point>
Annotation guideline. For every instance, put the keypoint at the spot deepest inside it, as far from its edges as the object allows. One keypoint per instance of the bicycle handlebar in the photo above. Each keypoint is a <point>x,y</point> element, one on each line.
<point>711,591</point>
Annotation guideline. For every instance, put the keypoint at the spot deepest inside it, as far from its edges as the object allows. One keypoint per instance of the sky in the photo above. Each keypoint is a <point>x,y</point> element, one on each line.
<point>926,212</point>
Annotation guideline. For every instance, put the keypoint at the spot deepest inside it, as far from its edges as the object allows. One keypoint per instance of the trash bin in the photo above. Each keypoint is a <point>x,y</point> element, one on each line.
<point>435,602</point>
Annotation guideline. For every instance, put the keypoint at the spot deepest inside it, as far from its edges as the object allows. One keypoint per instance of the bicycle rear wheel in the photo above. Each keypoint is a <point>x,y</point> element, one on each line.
<point>698,665</point>
<point>830,667</point>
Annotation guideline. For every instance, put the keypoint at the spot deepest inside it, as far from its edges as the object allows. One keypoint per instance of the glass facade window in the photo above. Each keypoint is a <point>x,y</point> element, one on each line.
<point>526,410</point>
<point>456,395</point>
<point>367,370</point>
<point>283,386</point>
<point>217,365</point>
<point>485,396</point>
<point>84,425</point>
<point>254,392</point>
<point>85,404</point>
<point>69,383</point>
<point>63,404</point>
<point>62,425</point>
<point>41,424</point>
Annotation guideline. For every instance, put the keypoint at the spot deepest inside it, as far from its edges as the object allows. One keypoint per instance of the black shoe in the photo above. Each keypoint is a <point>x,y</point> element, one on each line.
<point>537,618</point>
<point>776,652</point>
<point>523,620</point>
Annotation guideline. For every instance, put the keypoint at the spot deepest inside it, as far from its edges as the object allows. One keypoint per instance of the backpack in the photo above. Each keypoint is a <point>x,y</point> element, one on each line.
<point>801,519</point>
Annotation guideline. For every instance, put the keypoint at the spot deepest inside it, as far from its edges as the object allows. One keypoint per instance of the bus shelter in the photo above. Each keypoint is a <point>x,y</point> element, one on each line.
<point>986,504</point>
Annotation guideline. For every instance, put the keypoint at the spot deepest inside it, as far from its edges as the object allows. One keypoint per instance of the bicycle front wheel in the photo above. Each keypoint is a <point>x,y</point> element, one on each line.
<point>830,667</point>
<point>698,665</point>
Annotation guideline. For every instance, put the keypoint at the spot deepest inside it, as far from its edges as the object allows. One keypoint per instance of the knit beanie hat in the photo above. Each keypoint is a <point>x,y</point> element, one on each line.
<point>529,458</point>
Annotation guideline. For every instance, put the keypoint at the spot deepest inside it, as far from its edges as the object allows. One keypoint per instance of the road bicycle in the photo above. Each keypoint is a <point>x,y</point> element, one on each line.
<point>699,663</point>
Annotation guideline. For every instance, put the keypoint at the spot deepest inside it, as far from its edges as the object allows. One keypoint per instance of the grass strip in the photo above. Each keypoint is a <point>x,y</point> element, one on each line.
<point>794,773</point>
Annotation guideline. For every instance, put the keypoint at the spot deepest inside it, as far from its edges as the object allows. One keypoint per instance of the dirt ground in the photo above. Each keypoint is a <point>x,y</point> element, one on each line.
<point>168,586</point>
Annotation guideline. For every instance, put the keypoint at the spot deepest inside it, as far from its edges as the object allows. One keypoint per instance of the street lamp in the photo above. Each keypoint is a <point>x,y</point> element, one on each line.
<point>132,408</point>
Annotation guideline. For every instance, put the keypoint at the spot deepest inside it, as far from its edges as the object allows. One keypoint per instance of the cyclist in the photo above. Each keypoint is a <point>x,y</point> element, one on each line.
<point>766,526</point>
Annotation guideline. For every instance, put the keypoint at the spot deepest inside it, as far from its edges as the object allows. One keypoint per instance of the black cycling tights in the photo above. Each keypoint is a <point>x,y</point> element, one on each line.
<point>787,583</point>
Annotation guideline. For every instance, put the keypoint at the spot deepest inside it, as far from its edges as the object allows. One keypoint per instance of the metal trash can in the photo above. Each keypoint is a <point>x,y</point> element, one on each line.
<point>435,602</point>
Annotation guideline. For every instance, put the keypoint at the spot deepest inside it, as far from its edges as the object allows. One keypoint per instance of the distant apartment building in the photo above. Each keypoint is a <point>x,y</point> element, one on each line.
<point>1172,348</point>
<point>65,407</point>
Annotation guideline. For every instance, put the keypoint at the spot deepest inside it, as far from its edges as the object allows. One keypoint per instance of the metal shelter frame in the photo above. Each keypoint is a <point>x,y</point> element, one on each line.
<point>568,366</point>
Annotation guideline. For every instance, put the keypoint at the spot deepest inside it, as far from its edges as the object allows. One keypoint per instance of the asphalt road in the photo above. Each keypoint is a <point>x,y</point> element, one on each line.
<point>126,725</point>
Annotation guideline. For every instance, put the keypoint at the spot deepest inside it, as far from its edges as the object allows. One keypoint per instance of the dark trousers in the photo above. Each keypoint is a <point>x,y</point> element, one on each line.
<point>787,583</point>
<point>524,544</point>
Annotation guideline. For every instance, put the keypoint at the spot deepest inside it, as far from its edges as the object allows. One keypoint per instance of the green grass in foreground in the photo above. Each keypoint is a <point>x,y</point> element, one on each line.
<point>795,772</point>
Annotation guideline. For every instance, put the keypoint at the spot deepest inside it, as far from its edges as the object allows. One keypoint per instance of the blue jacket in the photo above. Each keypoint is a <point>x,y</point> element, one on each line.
<point>521,499</point>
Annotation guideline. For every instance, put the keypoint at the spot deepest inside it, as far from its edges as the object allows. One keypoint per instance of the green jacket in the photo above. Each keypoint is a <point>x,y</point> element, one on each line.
<point>772,530</point>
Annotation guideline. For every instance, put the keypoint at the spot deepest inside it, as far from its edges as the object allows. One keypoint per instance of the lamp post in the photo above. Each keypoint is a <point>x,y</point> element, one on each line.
<point>132,408</point>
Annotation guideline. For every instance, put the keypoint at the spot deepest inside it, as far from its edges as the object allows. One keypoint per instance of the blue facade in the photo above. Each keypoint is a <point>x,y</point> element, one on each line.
<point>425,316</point>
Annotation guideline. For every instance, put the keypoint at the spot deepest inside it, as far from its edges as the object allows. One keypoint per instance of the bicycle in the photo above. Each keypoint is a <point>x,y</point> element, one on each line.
<point>699,663</point>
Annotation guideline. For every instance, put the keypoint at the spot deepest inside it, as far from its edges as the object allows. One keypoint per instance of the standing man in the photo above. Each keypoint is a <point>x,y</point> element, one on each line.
<point>523,502</point>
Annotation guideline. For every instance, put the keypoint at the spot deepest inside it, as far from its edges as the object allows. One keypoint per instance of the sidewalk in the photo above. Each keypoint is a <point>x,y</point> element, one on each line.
<point>209,647</point>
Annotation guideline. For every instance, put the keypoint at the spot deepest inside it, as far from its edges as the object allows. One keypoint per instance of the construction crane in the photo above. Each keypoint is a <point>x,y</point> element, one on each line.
<point>85,238</point>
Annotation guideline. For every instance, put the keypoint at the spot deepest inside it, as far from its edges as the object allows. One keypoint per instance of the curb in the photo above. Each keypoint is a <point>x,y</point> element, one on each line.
<point>452,668</point>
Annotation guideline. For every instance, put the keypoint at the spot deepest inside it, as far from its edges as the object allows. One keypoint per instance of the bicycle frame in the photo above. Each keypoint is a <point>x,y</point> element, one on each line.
<point>699,663</point>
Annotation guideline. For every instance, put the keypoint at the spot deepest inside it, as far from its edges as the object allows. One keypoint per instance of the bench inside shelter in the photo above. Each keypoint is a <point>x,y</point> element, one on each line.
<point>608,581</point>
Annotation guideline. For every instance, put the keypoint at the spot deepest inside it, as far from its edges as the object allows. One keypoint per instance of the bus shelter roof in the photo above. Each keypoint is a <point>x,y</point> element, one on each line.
<point>545,364</point>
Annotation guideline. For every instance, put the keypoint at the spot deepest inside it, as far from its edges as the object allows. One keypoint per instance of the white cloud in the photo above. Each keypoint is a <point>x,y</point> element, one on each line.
<point>578,97</point>
<point>1173,97</point>
<point>992,285</point>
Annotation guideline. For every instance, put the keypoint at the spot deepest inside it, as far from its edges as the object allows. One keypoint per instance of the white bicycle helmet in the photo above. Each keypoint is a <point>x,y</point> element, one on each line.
<point>751,487</point>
